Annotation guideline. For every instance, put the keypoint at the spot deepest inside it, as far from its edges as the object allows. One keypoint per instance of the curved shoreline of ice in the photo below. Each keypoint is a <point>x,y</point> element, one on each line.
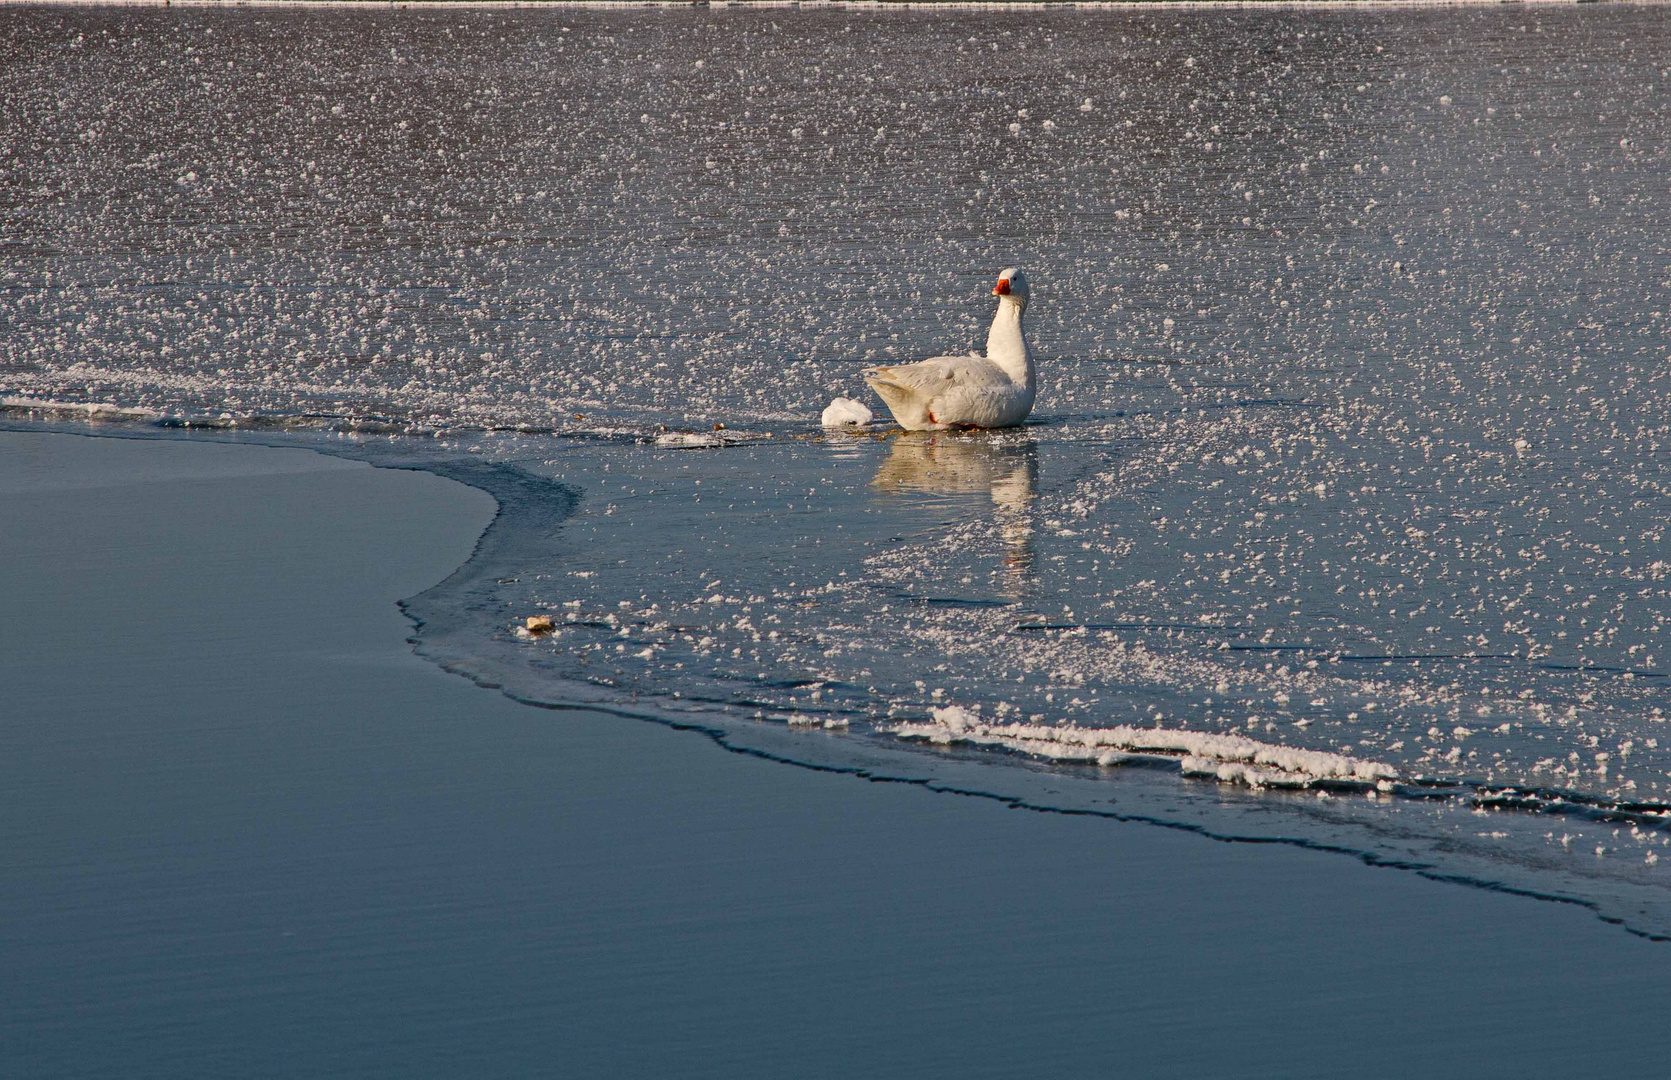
<point>1231,759</point>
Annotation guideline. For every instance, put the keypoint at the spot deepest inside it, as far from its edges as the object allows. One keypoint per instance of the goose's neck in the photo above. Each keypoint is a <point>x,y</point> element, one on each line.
<point>1006,343</point>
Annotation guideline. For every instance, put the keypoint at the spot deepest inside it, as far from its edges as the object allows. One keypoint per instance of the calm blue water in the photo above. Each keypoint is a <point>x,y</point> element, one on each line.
<point>1353,435</point>
<point>248,833</point>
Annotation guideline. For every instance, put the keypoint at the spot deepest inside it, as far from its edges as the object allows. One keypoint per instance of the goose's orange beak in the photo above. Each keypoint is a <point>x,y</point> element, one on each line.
<point>1002,288</point>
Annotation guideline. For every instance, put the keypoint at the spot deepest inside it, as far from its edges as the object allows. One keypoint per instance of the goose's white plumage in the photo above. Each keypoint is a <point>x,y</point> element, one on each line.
<point>991,391</point>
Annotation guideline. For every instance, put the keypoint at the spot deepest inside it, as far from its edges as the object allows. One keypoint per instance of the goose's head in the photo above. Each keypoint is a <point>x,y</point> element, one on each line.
<point>1013,284</point>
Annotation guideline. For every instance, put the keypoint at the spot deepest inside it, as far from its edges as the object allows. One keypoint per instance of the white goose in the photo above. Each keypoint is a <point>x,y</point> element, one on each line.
<point>991,391</point>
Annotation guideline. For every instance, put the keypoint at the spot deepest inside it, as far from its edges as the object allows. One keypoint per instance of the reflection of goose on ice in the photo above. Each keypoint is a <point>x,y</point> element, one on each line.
<point>1002,469</point>
<point>991,391</point>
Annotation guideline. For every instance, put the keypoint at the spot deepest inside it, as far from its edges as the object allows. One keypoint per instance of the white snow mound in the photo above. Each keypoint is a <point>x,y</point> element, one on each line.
<point>844,411</point>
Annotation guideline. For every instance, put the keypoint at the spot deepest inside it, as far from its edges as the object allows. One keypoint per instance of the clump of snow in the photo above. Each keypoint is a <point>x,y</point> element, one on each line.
<point>689,440</point>
<point>1229,758</point>
<point>844,411</point>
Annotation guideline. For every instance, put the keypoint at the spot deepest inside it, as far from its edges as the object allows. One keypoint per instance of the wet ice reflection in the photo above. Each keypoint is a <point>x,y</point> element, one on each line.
<point>1000,468</point>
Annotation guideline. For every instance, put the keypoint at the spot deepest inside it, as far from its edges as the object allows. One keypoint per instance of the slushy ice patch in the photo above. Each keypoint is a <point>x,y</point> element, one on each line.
<point>752,593</point>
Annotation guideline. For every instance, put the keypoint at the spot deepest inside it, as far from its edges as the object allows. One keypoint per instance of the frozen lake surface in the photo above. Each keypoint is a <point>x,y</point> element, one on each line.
<point>1345,496</point>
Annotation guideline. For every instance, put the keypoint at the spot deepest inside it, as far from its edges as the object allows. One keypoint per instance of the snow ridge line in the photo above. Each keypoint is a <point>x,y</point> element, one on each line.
<point>1231,759</point>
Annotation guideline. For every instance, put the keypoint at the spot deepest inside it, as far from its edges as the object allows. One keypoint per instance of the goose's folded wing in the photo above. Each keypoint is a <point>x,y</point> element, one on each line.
<point>938,374</point>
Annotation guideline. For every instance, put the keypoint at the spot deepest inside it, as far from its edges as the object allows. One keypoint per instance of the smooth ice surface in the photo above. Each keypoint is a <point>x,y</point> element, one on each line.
<point>248,834</point>
<point>1352,437</point>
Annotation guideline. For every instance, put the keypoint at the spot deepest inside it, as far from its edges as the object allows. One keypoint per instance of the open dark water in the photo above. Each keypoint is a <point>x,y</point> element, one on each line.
<point>1346,492</point>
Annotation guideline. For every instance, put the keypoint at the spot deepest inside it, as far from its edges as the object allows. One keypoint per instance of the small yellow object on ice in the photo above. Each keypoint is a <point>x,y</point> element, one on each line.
<point>540,624</point>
